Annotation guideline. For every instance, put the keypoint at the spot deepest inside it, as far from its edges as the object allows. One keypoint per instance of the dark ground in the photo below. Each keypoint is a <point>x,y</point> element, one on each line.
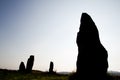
<point>39,75</point>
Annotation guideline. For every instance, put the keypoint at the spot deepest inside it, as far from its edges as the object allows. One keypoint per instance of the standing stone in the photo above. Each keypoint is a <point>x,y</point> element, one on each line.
<point>30,63</point>
<point>51,67</point>
<point>22,67</point>
<point>92,61</point>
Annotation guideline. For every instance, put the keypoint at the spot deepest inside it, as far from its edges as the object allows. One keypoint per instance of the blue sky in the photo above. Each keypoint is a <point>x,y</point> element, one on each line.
<point>47,29</point>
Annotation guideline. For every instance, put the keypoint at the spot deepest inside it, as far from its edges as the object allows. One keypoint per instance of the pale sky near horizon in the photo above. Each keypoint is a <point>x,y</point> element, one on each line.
<point>47,29</point>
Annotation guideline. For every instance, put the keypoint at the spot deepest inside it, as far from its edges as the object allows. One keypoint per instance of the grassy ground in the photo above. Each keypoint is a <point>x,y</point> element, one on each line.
<point>35,75</point>
<point>38,75</point>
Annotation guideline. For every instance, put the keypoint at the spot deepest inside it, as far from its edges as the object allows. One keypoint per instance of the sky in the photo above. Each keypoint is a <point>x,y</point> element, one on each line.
<point>47,29</point>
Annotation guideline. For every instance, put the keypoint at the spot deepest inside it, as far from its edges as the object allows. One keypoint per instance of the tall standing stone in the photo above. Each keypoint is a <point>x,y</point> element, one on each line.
<point>92,61</point>
<point>30,63</point>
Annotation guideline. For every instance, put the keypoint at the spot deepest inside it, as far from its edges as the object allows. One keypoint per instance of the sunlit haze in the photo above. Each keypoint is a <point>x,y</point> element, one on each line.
<point>47,29</point>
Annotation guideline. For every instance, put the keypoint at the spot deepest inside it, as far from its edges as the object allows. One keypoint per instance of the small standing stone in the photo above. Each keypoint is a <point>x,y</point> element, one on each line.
<point>51,67</point>
<point>22,67</point>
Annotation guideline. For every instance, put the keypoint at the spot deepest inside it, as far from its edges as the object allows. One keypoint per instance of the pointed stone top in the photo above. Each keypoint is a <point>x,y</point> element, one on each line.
<point>85,18</point>
<point>87,24</point>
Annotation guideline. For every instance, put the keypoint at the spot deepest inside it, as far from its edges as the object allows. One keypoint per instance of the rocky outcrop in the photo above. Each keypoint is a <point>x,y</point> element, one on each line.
<point>92,61</point>
<point>30,63</point>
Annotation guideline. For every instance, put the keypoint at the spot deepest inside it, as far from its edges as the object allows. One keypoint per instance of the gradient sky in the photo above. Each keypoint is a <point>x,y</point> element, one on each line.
<point>47,29</point>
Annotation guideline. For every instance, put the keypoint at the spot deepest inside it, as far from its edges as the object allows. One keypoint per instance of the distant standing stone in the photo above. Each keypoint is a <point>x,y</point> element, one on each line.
<point>22,67</point>
<point>51,67</point>
<point>30,63</point>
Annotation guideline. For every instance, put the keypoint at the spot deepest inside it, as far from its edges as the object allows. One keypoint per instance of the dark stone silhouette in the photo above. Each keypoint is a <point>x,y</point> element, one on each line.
<point>30,63</point>
<point>22,67</point>
<point>92,61</point>
<point>51,67</point>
